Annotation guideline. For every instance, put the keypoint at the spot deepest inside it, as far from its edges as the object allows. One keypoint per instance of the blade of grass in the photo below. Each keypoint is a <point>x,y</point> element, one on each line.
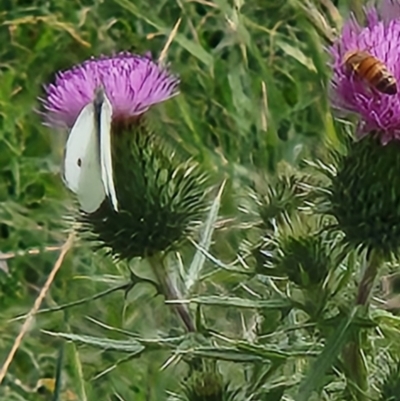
<point>76,364</point>
<point>315,376</point>
<point>199,258</point>
<point>36,306</point>
<point>192,47</point>
<point>58,383</point>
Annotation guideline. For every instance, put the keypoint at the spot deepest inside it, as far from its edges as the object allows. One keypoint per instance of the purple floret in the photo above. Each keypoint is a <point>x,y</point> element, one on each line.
<point>133,84</point>
<point>381,38</point>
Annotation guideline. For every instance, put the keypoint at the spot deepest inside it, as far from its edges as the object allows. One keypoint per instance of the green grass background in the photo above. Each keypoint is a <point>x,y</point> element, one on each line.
<point>253,95</point>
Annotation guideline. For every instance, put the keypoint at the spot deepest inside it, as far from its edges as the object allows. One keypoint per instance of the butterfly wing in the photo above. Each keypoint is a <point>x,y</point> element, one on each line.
<point>82,170</point>
<point>105,118</point>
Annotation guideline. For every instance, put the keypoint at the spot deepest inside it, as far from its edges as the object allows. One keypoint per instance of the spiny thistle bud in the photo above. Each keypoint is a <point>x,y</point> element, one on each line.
<point>207,386</point>
<point>151,200</point>
<point>390,388</point>
<point>301,253</point>
<point>161,199</point>
<point>365,194</point>
<point>281,196</point>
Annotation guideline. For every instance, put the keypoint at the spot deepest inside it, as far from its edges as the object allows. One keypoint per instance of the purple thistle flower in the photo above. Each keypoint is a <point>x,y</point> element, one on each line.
<point>381,38</point>
<point>133,84</point>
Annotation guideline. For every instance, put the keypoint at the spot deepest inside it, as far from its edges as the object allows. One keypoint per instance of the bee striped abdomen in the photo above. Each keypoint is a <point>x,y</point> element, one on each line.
<point>371,70</point>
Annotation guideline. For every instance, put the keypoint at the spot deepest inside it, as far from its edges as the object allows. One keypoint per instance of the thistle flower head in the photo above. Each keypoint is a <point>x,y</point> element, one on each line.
<point>133,84</point>
<point>380,37</point>
<point>160,198</point>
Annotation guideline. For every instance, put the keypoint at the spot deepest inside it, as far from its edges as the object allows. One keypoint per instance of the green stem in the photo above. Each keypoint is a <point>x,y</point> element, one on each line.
<point>169,291</point>
<point>353,353</point>
<point>368,280</point>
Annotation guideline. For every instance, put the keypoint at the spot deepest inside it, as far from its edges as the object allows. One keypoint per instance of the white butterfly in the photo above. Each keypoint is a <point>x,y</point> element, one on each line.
<point>88,168</point>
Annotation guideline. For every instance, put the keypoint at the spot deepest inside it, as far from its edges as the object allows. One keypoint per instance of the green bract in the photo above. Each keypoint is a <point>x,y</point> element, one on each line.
<point>207,386</point>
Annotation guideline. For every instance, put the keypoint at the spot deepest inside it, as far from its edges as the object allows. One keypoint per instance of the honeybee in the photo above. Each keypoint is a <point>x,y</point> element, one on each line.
<point>372,70</point>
